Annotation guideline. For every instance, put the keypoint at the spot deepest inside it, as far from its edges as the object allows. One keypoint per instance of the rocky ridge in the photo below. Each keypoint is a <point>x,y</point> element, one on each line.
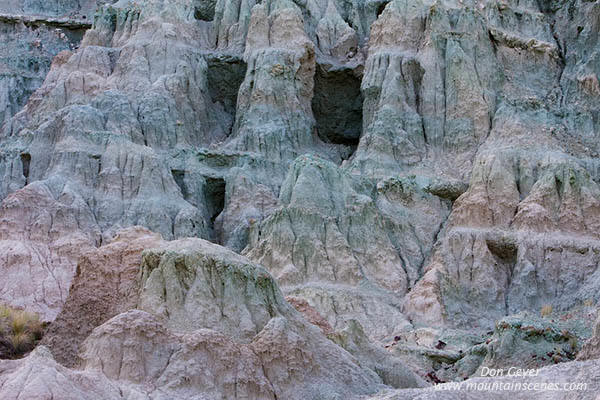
<point>406,169</point>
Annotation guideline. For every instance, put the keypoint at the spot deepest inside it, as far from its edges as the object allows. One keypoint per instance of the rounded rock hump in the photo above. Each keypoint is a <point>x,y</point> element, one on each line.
<point>205,311</point>
<point>195,284</point>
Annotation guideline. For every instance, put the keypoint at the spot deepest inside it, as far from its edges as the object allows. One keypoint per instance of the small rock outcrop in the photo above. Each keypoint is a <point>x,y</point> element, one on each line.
<point>106,283</point>
<point>390,368</point>
<point>193,284</point>
<point>39,376</point>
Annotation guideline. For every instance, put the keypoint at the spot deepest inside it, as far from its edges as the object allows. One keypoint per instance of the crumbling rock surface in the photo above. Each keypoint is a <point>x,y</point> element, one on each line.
<point>194,284</point>
<point>389,367</point>
<point>355,243</point>
<point>150,137</point>
<point>310,314</point>
<point>41,235</point>
<point>530,342</point>
<point>241,339</point>
<point>401,164</point>
<point>106,283</point>
<point>32,33</point>
<point>39,376</point>
<point>523,233</point>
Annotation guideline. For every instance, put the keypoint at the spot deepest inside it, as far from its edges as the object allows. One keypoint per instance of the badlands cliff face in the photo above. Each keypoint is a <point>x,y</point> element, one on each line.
<point>419,178</point>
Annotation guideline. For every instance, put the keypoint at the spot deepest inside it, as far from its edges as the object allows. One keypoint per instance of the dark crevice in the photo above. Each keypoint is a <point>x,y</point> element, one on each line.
<point>559,189</point>
<point>113,56</point>
<point>549,10</point>
<point>98,160</point>
<point>349,22</point>
<point>503,250</point>
<point>505,255</point>
<point>26,162</point>
<point>214,200</point>
<point>337,105</point>
<point>413,73</point>
<point>204,10</point>
<point>346,152</point>
<point>519,176</point>
<point>179,177</point>
<point>225,76</point>
<point>493,42</point>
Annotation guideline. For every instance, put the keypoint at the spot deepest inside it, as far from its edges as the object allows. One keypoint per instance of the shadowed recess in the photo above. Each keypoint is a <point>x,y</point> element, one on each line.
<point>337,105</point>
<point>225,76</point>
<point>26,162</point>
<point>204,10</point>
<point>214,197</point>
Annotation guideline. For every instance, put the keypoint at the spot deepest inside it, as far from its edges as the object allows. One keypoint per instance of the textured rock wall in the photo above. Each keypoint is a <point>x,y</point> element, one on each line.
<point>106,283</point>
<point>394,164</point>
<point>32,33</point>
<point>186,118</point>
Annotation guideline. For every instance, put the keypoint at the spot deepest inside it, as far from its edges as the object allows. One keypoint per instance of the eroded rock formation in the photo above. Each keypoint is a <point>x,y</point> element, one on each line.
<point>414,174</point>
<point>209,323</point>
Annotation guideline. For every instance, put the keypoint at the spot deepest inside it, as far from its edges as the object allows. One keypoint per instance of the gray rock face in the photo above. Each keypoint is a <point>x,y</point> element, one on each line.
<point>180,282</point>
<point>352,242</point>
<point>390,368</point>
<point>403,164</point>
<point>194,285</point>
<point>32,32</point>
<point>28,45</point>
<point>83,9</point>
<point>41,236</point>
<point>39,376</point>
